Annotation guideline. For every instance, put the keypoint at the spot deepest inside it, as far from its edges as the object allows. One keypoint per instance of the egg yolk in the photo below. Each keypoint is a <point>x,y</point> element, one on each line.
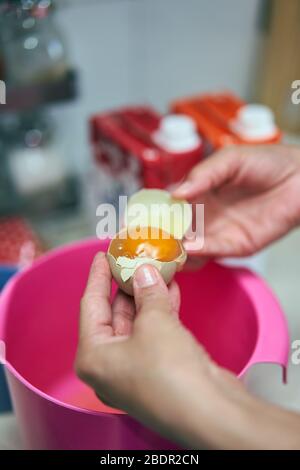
<point>154,244</point>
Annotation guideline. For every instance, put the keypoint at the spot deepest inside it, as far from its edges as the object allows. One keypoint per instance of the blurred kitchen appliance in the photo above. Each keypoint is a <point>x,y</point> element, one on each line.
<point>35,173</point>
<point>224,119</point>
<point>33,48</point>
<point>137,147</point>
<point>34,64</point>
<point>33,56</point>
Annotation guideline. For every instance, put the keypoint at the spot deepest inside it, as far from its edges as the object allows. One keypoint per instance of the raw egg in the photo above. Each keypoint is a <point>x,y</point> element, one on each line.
<point>139,243</point>
<point>151,243</point>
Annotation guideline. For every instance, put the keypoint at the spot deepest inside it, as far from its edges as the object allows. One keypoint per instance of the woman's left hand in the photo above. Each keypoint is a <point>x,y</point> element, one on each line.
<point>137,355</point>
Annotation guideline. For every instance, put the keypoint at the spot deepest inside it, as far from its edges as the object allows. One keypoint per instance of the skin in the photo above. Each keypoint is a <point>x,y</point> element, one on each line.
<point>136,354</point>
<point>240,188</point>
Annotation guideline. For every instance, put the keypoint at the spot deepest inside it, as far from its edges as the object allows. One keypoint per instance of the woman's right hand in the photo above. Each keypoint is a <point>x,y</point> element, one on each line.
<point>251,197</point>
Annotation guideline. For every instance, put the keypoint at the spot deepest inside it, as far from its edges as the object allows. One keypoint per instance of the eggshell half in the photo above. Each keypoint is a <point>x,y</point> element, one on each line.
<point>123,271</point>
<point>158,211</point>
<point>157,208</point>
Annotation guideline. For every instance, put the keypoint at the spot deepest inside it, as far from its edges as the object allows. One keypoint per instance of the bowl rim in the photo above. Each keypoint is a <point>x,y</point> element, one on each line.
<point>263,300</point>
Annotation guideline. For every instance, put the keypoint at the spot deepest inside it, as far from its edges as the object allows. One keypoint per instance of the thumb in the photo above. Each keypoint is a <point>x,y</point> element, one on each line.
<point>150,291</point>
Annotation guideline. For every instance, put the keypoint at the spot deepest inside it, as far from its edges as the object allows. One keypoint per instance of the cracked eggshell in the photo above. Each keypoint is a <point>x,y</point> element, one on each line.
<point>161,210</point>
<point>123,269</point>
<point>175,222</point>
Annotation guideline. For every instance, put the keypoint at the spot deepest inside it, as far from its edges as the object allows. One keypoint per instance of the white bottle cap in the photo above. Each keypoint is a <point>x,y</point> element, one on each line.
<point>177,133</point>
<point>254,122</point>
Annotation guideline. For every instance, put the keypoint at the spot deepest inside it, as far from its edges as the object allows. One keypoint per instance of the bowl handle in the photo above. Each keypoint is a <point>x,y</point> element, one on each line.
<point>273,343</point>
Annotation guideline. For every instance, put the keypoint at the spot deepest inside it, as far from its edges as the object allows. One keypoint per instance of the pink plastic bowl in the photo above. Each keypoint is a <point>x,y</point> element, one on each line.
<point>230,311</point>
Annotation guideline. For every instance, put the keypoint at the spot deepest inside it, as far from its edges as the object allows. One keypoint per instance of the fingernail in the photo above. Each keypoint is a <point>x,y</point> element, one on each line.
<point>146,276</point>
<point>184,188</point>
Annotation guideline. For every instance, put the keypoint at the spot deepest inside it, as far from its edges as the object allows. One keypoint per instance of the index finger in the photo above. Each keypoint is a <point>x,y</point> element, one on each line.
<point>95,309</point>
<point>209,174</point>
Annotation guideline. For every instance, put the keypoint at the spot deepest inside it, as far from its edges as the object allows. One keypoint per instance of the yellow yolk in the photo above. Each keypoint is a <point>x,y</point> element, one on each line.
<point>152,243</point>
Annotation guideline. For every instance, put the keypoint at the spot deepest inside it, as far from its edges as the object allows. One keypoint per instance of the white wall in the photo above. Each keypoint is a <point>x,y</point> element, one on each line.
<point>193,45</point>
<point>131,51</point>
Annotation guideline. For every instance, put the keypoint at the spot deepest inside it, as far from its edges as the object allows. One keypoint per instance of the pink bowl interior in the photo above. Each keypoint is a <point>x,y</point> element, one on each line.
<point>41,327</point>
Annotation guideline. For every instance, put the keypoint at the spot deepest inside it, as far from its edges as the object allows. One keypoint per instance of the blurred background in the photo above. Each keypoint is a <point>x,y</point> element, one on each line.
<point>67,64</point>
<point>65,61</point>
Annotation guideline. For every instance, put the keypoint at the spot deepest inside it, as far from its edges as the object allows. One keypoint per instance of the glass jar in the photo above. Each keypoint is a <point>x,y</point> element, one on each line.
<point>33,47</point>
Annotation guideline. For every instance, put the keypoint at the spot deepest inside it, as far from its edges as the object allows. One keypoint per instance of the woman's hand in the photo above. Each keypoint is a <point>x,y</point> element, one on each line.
<point>138,357</point>
<point>251,197</point>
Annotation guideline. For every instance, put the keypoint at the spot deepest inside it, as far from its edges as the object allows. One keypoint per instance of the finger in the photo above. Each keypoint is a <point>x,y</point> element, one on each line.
<point>95,312</point>
<point>214,246</point>
<point>194,246</point>
<point>123,314</point>
<point>208,250</point>
<point>150,291</point>
<point>174,293</point>
<point>100,364</point>
<point>209,174</point>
